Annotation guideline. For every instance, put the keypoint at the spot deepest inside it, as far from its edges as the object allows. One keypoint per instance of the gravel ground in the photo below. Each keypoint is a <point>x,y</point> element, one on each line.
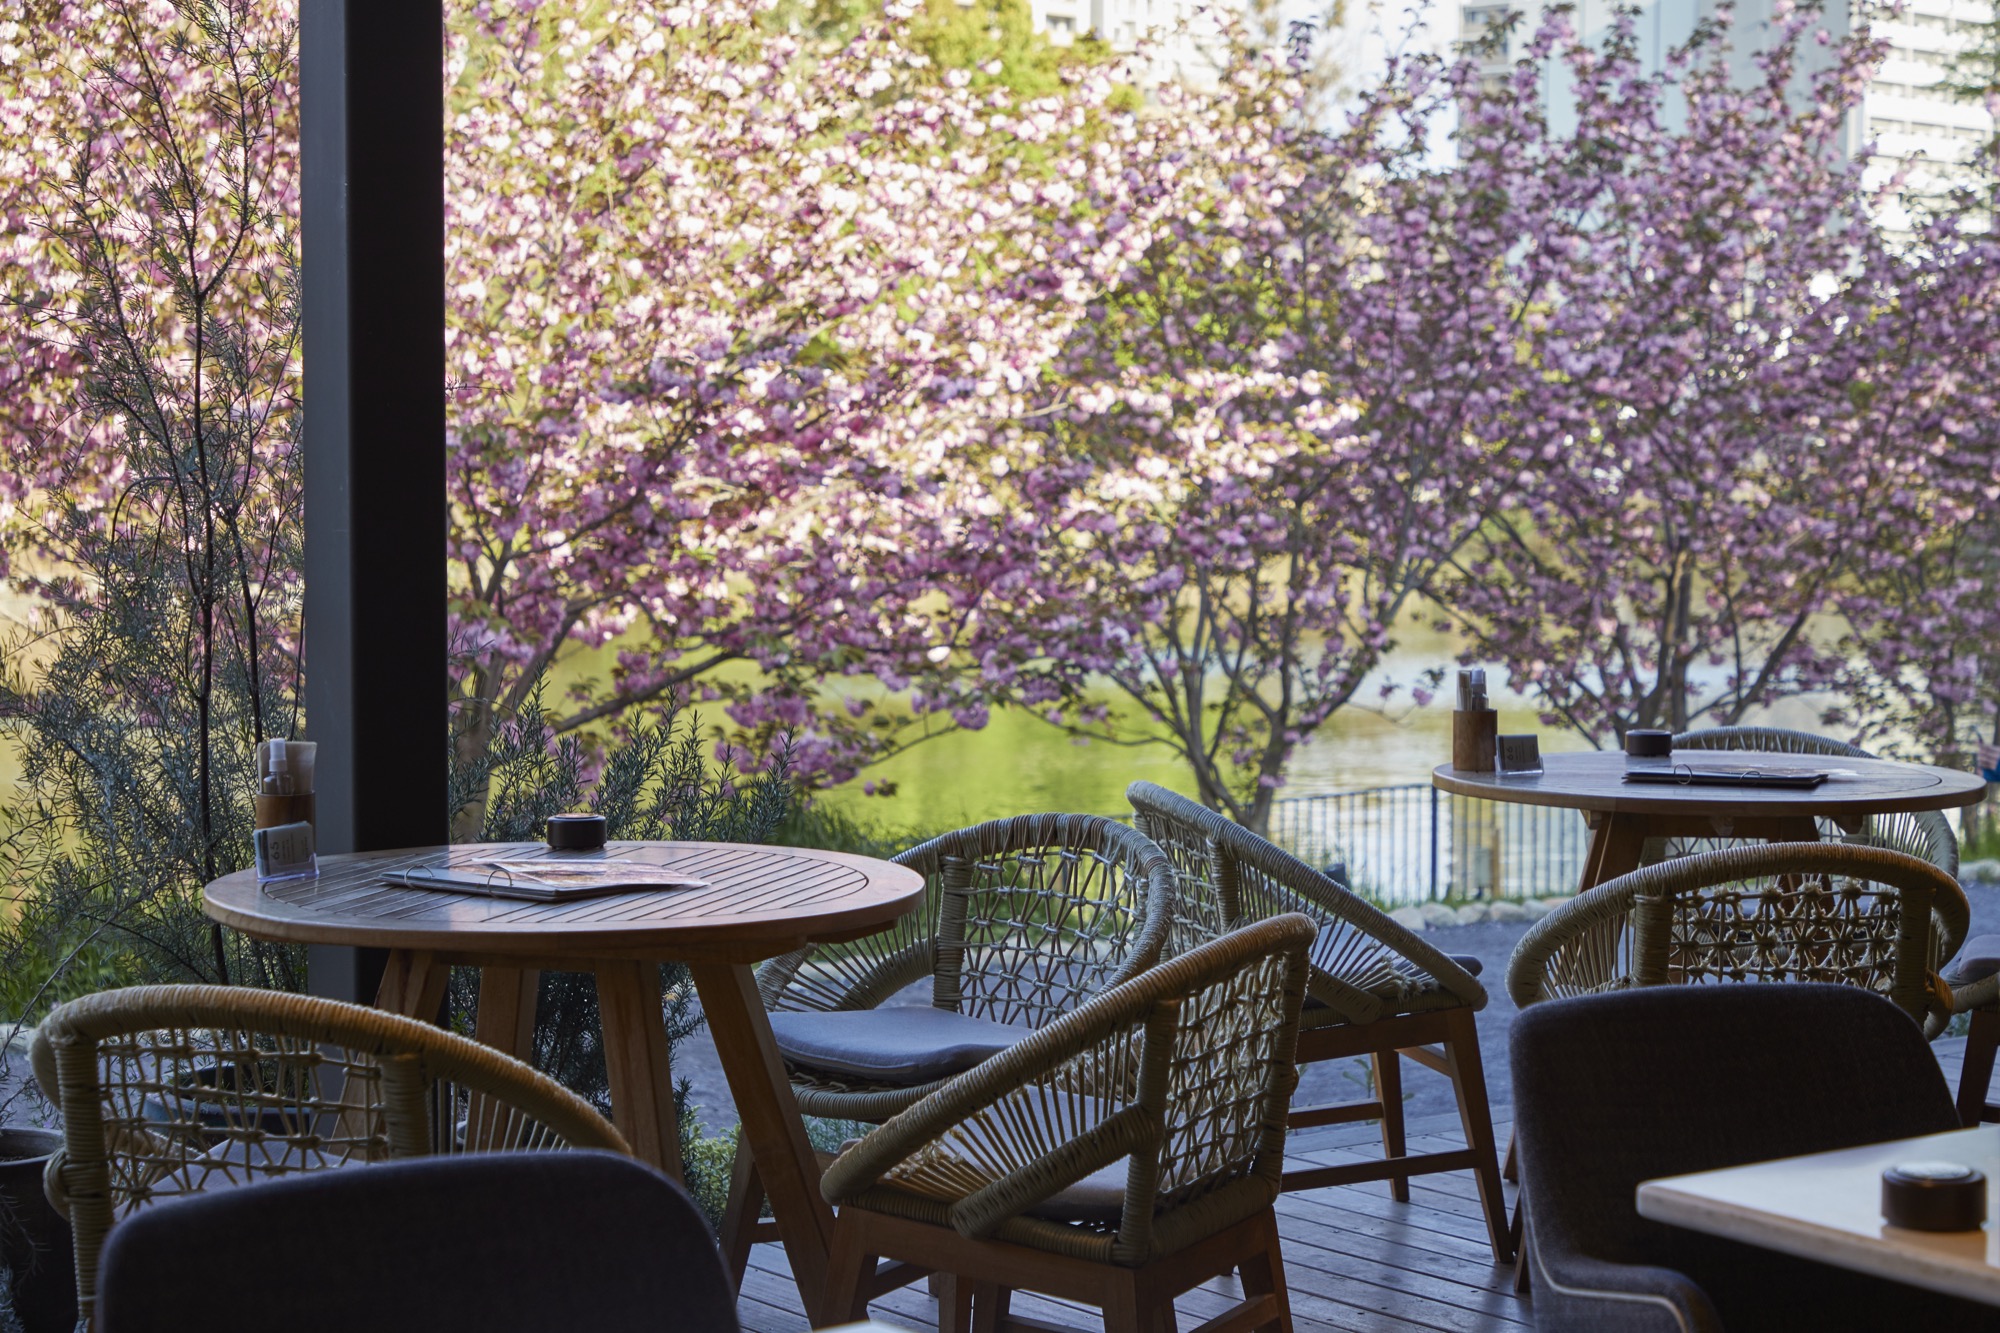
<point>1426,1093</point>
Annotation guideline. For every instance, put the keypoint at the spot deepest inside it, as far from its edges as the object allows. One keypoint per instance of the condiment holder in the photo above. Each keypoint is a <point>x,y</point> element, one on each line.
<point>1475,728</point>
<point>285,783</point>
<point>1934,1196</point>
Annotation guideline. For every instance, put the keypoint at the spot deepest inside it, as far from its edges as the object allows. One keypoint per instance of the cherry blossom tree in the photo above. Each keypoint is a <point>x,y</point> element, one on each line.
<point>730,314</point>
<point>1739,378</point>
<point>149,419</point>
<point>1923,612</point>
<point>1267,442</point>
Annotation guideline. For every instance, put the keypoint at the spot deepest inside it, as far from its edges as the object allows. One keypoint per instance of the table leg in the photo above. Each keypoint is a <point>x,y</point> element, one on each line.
<point>506,1022</point>
<point>772,1126</point>
<point>1616,842</point>
<point>413,984</point>
<point>635,1056</point>
<point>507,1010</point>
<point>1803,829</point>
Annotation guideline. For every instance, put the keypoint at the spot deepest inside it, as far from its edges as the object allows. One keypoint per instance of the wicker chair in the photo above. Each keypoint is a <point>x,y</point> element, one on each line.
<point>1126,1153</point>
<point>1924,834</point>
<point>1802,911</point>
<point>1023,920</point>
<point>1375,990</point>
<point>172,1090</point>
<point>1975,982</point>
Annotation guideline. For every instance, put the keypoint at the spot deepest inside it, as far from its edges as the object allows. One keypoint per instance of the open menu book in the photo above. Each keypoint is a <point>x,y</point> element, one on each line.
<point>540,879</point>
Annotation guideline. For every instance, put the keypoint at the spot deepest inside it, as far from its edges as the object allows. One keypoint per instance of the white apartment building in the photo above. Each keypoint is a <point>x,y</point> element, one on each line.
<point>1905,112</point>
<point>1181,54</point>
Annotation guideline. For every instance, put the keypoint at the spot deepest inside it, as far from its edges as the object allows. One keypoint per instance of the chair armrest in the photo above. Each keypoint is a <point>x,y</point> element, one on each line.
<point>1980,994</point>
<point>1085,1052</point>
<point>1067,1100</point>
<point>1596,915</point>
<point>864,987</point>
<point>1331,903</point>
<point>1624,1298</point>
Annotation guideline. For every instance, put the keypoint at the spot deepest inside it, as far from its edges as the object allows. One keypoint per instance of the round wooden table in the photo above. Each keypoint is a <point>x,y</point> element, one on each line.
<point>1622,815</point>
<point>761,902</point>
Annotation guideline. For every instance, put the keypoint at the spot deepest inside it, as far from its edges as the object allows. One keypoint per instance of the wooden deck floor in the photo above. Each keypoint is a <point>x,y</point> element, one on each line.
<point>1354,1258</point>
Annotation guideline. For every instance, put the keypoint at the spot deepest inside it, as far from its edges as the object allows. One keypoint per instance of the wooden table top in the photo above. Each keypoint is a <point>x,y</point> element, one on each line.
<point>1594,780</point>
<point>760,902</point>
<point>1828,1207</point>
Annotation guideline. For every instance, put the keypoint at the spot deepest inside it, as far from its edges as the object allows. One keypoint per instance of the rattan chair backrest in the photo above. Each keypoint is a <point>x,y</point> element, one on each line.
<point>169,1090</point>
<point>1808,911</point>
<point>1230,877</point>
<point>1925,834</point>
<point>1023,919</point>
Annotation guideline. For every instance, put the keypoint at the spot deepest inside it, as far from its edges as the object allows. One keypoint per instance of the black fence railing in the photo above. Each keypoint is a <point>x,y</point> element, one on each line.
<point>1410,844</point>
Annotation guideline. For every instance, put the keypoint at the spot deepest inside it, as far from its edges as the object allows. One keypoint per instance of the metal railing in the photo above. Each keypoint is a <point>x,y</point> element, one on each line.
<point>1412,843</point>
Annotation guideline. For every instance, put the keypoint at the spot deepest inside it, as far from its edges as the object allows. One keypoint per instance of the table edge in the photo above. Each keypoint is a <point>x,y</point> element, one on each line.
<point>1659,1201</point>
<point>664,942</point>
<point>1447,778</point>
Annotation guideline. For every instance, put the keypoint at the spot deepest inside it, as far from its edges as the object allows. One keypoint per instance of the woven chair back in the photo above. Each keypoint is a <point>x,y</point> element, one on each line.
<point>1925,834</point>
<point>171,1090</point>
<point>1023,919</point>
<point>1187,1071</point>
<point>1781,912</point>
<point>1364,963</point>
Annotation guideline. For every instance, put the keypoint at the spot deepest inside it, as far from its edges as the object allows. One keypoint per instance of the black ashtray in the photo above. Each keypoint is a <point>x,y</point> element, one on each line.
<point>1649,744</point>
<point>576,833</point>
<point>1934,1196</point>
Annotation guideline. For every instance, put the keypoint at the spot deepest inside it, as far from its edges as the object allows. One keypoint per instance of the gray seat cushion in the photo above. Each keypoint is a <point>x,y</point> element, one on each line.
<point>1978,960</point>
<point>1466,961</point>
<point>902,1046</point>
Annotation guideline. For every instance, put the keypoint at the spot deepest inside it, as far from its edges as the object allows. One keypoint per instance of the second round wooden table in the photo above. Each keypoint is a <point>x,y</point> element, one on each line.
<point>760,902</point>
<point>1622,815</point>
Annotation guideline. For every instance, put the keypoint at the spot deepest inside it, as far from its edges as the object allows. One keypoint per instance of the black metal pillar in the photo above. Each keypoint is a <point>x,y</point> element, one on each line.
<point>372,183</point>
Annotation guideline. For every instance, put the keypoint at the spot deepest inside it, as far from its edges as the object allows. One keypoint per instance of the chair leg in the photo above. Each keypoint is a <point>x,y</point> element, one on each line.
<point>1264,1275</point>
<point>1977,1076</point>
<point>739,1219</point>
<point>1510,1170</point>
<point>957,1306</point>
<point>1468,1080</point>
<point>990,1307</point>
<point>1389,1088</point>
<point>1121,1306</point>
<point>1521,1277</point>
<point>848,1266</point>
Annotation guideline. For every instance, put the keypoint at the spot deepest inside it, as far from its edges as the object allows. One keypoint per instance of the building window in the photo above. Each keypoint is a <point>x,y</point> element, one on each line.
<point>1484,27</point>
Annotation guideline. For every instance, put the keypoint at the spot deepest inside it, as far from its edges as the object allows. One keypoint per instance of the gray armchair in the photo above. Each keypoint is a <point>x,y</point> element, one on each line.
<point>1610,1090</point>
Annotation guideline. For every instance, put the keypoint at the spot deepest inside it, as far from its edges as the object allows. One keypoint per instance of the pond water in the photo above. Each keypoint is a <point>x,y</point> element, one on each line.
<point>1019,764</point>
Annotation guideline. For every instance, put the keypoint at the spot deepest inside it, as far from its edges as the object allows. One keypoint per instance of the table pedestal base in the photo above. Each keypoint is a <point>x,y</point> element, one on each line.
<point>637,1060</point>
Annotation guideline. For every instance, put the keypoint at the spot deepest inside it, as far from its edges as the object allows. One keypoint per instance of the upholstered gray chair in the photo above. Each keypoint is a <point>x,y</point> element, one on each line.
<point>499,1242</point>
<point>1614,1089</point>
